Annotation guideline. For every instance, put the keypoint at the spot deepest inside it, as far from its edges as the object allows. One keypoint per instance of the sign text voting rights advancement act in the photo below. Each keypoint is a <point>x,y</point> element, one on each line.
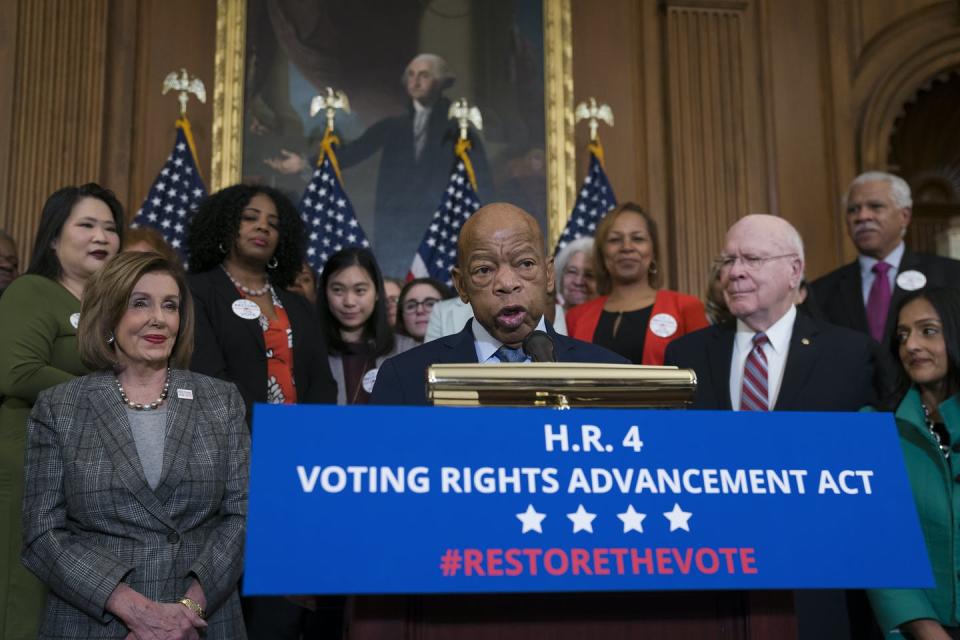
<point>446,500</point>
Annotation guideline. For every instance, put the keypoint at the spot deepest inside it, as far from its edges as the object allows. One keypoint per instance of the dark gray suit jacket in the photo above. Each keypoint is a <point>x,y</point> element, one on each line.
<point>91,521</point>
<point>402,378</point>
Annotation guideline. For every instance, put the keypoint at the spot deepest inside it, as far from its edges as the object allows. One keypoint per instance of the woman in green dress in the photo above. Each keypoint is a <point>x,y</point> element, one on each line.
<point>39,314</point>
<point>926,343</point>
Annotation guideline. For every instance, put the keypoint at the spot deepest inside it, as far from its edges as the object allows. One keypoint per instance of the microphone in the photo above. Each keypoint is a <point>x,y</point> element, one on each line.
<point>539,346</point>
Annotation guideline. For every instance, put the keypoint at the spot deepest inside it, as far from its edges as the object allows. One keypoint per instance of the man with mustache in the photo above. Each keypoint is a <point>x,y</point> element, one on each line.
<point>505,275</point>
<point>860,295</point>
<point>9,263</point>
<point>772,356</point>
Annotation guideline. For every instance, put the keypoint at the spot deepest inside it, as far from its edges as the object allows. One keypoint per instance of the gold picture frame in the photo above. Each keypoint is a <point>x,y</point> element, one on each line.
<point>558,100</point>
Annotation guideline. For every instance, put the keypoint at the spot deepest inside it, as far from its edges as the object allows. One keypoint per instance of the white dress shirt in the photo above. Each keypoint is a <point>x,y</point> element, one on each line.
<point>776,351</point>
<point>866,269</point>
<point>486,345</point>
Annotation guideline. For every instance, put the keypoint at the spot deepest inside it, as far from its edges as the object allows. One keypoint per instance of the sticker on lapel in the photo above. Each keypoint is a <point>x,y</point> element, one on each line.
<point>911,280</point>
<point>75,320</point>
<point>246,309</point>
<point>663,325</point>
<point>185,394</point>
<point>370,379</point>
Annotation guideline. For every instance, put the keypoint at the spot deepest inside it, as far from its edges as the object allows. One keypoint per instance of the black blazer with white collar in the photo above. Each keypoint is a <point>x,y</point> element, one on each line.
<point>828,368</point>
<point>402,378</point>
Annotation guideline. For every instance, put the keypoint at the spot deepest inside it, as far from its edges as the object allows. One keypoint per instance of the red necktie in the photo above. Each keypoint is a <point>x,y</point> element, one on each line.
<point>753,392</point>
<point>878,301</point>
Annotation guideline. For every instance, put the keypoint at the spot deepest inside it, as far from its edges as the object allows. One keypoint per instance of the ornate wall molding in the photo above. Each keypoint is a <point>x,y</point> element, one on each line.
<point>227,158</point>
<point>713,117</point>
<point>558,103</point>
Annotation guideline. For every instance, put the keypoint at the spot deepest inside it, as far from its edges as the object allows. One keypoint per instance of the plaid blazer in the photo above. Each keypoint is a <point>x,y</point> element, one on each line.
<point>91,520</point>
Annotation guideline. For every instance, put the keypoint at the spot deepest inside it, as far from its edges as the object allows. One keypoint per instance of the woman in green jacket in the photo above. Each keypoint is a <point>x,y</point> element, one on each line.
<point>926,343</point>
<point>39,314</point>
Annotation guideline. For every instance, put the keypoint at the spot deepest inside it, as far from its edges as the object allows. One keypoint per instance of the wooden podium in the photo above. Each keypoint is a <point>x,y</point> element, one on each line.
<point>675,615</point>
<point>681,615</point>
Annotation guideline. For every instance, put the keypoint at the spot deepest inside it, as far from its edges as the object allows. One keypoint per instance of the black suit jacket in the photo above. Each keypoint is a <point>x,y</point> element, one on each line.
<point>402,378</point>
<point>231,348</point>
<point>828,368</point>
<point>838,296</point>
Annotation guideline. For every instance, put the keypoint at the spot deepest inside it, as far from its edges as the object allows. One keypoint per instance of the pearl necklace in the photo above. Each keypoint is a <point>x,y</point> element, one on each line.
<point>145,407</point>
<point>254,293</point>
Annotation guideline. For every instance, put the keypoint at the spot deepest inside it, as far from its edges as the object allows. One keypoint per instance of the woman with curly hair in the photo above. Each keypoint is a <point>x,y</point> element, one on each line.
<point>246,246</point>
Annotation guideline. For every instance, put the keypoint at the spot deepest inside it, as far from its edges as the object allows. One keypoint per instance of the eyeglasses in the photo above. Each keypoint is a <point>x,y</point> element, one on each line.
<point>750,263</point>
<point>411,306</point>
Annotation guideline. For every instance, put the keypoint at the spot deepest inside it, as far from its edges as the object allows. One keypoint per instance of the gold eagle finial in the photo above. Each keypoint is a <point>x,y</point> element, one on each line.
<point>594,113</point>
<point>332,102</point>
<point>185,84</point>
<point>465,115</point>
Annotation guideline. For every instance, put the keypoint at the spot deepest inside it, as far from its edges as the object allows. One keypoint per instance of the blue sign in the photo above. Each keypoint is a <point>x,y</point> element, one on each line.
<point>447,500</point>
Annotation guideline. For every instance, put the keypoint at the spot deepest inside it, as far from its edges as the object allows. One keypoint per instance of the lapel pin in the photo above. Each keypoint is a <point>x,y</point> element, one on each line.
<point>185,394</point>
<point>805,341</point>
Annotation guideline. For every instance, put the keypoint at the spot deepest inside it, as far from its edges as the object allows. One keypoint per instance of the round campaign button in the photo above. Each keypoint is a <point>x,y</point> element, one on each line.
<point>663,325</point>
<point>911,280</point>
<point>246,309</point>
<point>370,379</point>
<point>75,320</point>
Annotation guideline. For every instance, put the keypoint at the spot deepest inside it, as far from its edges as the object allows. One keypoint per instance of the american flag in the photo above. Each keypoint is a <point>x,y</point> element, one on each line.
<point>594,200</point>
<point>175,193</point>
<point>438,250</point>
<point>327,214</point>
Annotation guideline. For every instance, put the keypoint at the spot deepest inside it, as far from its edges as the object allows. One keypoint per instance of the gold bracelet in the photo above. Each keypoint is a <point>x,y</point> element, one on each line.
<point>194,606</point>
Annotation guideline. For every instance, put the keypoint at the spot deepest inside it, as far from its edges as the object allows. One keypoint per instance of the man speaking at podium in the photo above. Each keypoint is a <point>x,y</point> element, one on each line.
<point>504,273</point>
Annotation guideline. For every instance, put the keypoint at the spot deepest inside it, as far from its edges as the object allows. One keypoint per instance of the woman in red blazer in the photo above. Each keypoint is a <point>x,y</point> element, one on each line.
<point>633,317</point>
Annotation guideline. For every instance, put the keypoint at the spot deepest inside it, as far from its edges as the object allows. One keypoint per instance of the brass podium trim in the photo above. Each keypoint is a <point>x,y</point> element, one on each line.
<point>560,385</point>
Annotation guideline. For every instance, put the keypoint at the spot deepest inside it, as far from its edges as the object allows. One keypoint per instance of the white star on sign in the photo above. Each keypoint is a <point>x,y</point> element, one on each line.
<point>632,521</point>
<point>532,521</point>
<point>679,519</point>
<point>582,519</point>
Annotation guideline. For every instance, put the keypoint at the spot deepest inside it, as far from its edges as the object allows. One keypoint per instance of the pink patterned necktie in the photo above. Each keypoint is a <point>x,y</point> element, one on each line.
<point>878,301</point>
<point>753,392</point>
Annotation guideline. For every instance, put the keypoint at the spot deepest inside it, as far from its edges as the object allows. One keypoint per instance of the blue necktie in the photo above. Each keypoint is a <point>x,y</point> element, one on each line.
<point>506,354</point>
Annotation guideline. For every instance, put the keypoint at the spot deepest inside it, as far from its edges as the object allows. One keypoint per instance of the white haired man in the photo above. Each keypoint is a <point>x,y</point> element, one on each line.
<point>772,356</point>
<point>861,295</point>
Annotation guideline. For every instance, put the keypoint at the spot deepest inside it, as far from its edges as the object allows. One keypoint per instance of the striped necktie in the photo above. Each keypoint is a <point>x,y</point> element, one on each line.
<point>753,394</point>
<point>506,354</point>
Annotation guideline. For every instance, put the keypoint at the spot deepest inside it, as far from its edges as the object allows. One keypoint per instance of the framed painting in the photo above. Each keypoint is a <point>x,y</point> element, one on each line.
<point>511,59</point>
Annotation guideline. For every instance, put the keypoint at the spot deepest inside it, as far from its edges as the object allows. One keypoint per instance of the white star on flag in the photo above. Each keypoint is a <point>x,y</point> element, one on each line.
<point>632,521</point>
<point>679,519</point>
<point>532,521</point>
<point>582,519</point>
<point>594,200</point>
<point>434,262</point>
<point>331,208</point>
<point>166,204</point>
